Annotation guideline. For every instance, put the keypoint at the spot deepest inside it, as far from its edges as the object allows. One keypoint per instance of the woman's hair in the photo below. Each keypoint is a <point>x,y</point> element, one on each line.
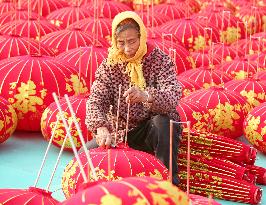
<point>126,24</point>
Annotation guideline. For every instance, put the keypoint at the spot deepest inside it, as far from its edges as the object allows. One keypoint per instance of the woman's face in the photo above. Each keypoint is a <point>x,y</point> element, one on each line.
<point>128,42</point>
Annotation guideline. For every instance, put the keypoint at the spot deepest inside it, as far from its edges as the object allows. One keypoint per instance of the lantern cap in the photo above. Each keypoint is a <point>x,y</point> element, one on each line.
<point>40,191</point>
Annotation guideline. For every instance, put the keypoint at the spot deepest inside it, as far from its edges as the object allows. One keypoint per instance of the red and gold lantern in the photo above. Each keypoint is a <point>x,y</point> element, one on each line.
<point>188,86</point>
<point>206,77</point>
<point>32,195</point>
<point>65,16</point>
<point>65,40</point>
<point>132,190</point>
<point>195,113</point>
<point>252,89</point>
<point>51,122</point>
<point>87,59</point>
<point>123,162</point>
<point>29,81</point>
<point>255,127</point>
<point>227,109</point>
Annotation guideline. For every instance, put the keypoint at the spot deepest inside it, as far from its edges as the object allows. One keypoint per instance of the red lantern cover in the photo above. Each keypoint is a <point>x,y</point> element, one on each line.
<point>252,89</point>
<point>101,27</point>
<point>222,187</point>
<point>238,68</point>
<point>206,77</point>
<point>188,86</point>
<point>195,113</point>
<point>255,127</point>
<point>191,33</point>
<point>202,59</point>
<point>227,109</point>
<point>15,45</point>
<point>88,59</point>
<point>153,19</point>
<point>46,6</point>
<point>51,115</point>
<point>124,162</point>
<point>32,195</point>
<point>16,14</point>
<point>29,28</point>
<point>8,120</point>
<point>221,147</point>
<point>65,40</point>
<point>259,58</point>
<point>132,190</point>
<point>65,16</point>
<point>29,81</point>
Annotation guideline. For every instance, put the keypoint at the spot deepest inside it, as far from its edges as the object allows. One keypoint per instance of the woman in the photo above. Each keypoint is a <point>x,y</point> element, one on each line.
<point>148,82</point>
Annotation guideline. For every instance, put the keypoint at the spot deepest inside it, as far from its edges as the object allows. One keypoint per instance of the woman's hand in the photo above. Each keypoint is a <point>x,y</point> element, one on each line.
<point>103,137</point>
<point>135,95</point>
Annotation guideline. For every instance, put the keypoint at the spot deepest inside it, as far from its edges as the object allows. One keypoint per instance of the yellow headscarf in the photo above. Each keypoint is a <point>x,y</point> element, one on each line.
<point>134,65</point>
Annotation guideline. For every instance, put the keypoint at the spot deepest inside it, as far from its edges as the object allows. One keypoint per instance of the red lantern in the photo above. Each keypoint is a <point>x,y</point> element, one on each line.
<point>212,165</point>
<point>8,120</point>
<point>202,59</point>
<point>254,16</point>
<point>227,109</point>
<point>222,187</point>
<point>17,14</point>
<point>238,68</point>
<point>195,113</point>
<point>221,147</point>
<point>102,26</point>
<point>226,52</point>
<point>29,28</point>
<point>107,8</point>
<point>171,9</point>
<point>132,190</point>
<point>88,59</point>
<point>32,195</point>
<point>255,127</point>
<point>123,162</point>
<point>249,46</point>
<point>6,6</point>
<point>188,86</point>
<point>261,75</point>
<point>178,53</point>
<point>206,76</point>
<point>259,58</point>
<point>51,115</point>
<point>252,90</point>
<point>229,27</point>
<point>46,6</point>
<point>65,16</point>
<point>153,19</point>
<point>14,45</point>
<point>191,33</point>
<point>29,81</point>
<point>65,40</point>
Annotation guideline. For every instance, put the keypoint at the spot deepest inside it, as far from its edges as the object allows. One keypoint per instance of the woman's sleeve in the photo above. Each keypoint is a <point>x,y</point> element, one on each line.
<point>167,91</point>
<point>99,101</point>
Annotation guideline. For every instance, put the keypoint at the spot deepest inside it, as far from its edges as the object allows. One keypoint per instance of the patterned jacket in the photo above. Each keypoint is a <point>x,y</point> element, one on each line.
<point>161,80</point>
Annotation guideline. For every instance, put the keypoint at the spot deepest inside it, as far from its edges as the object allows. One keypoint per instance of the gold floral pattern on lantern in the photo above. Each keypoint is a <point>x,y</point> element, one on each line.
<point>250,129</point>
<point>252,97</point>
<point>76,84</point>
<point>67,181</point>
<point>224,116</point>
<point>26,100</point>
<point>199,42</point>
<point>12,120</point>
<point>230,35</point>
<point>239,75</point>
<point>110,199</point>
<point>202,121</point>
<point>60,130</point>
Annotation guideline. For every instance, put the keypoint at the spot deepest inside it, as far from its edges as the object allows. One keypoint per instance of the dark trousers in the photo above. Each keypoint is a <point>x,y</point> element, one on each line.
<point>153,136</point>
